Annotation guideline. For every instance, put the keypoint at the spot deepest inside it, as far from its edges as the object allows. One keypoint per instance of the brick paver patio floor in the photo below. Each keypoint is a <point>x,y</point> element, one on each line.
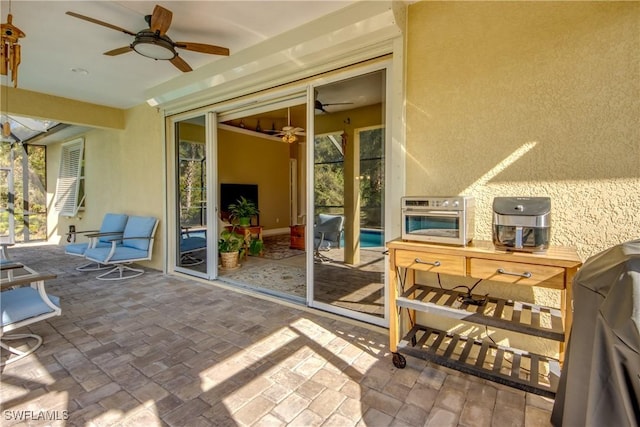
<point>161,350</point>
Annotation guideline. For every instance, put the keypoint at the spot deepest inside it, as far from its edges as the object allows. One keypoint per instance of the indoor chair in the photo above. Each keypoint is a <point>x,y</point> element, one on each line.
<point>136,244</point>
<point>24,302</point>
<point>111,228</point>
<point>327,233</point>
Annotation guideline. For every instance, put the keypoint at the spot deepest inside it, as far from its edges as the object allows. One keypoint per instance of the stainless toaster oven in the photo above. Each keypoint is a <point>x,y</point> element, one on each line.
<point>448,220</point>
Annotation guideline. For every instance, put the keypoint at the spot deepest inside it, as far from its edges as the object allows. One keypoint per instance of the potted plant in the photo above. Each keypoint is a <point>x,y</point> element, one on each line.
<point>256,246</point>
<point>242,211</point>
<point>230,246</point>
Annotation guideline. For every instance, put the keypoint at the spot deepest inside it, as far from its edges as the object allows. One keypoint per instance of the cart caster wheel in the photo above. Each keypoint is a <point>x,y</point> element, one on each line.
<point>399,361</point>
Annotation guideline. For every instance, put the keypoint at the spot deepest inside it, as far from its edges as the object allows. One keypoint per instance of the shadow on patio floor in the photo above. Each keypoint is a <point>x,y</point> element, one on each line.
<point>161,350</point>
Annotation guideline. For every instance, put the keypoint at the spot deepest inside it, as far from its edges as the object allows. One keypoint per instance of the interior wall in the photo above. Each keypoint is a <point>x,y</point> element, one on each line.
<point>124,173</point>
<point>529,99</point>
<point>348,120</point>
<point>245,159</point>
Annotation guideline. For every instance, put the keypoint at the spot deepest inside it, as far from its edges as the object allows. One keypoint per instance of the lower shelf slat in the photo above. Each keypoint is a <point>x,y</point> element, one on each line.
<point>526,318</point>
<point>530,372</point>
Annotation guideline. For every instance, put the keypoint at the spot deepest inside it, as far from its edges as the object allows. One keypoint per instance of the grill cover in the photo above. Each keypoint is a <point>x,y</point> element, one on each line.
<point>600,382</point>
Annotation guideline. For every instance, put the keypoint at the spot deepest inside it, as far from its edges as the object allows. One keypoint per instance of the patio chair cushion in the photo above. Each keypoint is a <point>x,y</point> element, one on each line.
<point>23,303</point>
<point>190,244</point>
<point>138,226</point>
<point>81,248</point>
<point>112,223</point>
<point>122,253</point>
<point>76,248</point>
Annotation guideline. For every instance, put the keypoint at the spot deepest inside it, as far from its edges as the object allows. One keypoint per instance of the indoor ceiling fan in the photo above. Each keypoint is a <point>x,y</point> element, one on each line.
<point>320,106</point>
<point>153,42</point>
<point>289,134</point>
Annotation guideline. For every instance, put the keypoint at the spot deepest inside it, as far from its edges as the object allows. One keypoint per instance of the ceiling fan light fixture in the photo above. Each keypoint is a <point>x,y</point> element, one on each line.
<point>153,47</point>
<point>289,138</point>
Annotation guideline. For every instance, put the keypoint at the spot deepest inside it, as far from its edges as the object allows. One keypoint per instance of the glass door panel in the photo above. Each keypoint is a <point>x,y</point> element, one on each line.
<point>191,198</point>
<point>258,161</point>
<point>348,198</point>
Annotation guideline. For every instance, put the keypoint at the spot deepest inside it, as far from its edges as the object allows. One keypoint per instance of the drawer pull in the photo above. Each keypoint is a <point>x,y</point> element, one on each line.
<point>526,274</point>
<point>435,263</point>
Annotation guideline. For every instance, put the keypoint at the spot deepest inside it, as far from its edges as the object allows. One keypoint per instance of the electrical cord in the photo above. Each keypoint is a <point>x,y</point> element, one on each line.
<point>486,331</point>
<point>466,298</point>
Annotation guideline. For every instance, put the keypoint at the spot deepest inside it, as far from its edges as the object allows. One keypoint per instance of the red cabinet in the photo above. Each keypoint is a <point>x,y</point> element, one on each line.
<point>297,237</point>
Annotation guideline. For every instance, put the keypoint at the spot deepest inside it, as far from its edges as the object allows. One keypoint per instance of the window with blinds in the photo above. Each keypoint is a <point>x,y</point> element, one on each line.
<point>70,186</point>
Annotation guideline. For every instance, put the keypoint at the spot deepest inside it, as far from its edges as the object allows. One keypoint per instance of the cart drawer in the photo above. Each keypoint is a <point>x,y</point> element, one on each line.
<point>520,273</point>
<point>432,262</point>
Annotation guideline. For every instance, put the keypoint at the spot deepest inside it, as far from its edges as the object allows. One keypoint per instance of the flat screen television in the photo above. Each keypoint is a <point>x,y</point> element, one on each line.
<point>230,193</point>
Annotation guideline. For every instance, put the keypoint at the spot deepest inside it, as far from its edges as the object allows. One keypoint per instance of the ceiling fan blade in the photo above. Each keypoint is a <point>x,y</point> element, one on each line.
<point>338,103</point>
<point>104,24</point>
<point>119,51</point>
<point>318,106</point>
<point>203,48</point>
<point>180,64</point>
<point>160,20</point>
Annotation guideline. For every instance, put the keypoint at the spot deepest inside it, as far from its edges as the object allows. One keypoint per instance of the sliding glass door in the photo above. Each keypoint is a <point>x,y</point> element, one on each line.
<point>259,151</point>
<point>194,249</point>
<point>320,186</point>
<point>348,229</point>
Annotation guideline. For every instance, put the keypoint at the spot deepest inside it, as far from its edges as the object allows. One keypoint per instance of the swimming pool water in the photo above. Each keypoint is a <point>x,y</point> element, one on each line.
<point>368,238</point>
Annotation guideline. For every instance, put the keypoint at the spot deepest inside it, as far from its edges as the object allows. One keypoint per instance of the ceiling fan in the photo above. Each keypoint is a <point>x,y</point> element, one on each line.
<point>153,42</point>
<point>319,106</point>
<point>289,134</point>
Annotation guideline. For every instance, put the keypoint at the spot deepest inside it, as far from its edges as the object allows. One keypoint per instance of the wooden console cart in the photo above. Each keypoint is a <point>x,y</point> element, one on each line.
<point>484,358</point>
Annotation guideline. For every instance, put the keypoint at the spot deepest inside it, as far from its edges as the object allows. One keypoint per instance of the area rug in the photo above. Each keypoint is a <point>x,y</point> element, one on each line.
<point>277,247</point>
<point>286,279</point>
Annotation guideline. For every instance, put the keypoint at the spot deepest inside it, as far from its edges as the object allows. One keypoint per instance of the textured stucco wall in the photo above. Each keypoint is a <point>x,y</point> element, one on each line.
<point>528,99</point>
<point>124,172</point>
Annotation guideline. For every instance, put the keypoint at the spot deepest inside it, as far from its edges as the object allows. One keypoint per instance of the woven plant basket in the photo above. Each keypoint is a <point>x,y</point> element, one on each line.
<point>229,259</point>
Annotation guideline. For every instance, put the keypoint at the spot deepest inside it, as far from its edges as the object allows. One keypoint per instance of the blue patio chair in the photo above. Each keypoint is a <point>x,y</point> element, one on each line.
<point>135,245</point>
<point>24,302</point>
<point>10,269</point>
<point>112,228</point>
<point>191,242</point>
<point>327,232</point>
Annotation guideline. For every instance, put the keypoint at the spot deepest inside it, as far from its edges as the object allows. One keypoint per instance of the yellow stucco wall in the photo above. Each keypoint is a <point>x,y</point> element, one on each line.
<point>123,173</point>
<point>528,99</point>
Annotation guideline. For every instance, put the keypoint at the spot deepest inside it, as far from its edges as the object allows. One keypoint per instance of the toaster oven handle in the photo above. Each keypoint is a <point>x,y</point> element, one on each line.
<point>435,263</point>
<point>423,212</point>
<point>526,274</point>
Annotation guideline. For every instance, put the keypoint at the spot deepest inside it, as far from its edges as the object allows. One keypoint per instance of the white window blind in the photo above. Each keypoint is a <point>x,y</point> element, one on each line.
<point>70,178</point>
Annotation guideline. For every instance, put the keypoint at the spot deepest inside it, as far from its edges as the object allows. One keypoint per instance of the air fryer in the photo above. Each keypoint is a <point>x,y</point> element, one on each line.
<point>522,223</point>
